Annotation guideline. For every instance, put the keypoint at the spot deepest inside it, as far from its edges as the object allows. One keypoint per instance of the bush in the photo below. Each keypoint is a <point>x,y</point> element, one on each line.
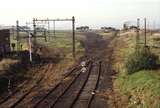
<point>82,43</point>
<point>141,59</point>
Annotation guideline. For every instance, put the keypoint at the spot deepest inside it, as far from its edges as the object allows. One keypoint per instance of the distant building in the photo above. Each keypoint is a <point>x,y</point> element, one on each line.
<point>133,28</point>
<point>25,28</point>
<point>83,28</point>
<point>125,27</point>
<point>40,29</point>
<point>107,29</point>
<point>11,28</point>
<point>4,41</point>
<point>5,27</point>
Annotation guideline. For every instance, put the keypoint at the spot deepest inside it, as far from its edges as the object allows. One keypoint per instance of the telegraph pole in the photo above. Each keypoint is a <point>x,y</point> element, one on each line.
<point>48,28</point>
<point>153,28</point>
<point>73,28</point>
<point>54,31</point>
<point>34,29</point>
<point>138,27</point>
<point>48,20</point>
<point>148,29</point>
<point>145,32</point>
<point>18,43</point>
<point>154,25</point>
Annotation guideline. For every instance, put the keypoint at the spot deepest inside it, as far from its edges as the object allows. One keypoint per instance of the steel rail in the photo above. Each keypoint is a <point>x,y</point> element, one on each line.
<point>96,86</point>
<point>29,91</point>
<point>16,90</point>
<point>66,89</point>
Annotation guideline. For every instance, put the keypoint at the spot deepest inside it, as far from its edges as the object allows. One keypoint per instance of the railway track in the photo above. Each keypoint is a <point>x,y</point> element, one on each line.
<point>80,92</point>
<point>56,92</point>
<point>9,102</point>
<point>37,100</point>
<point>76,89</point>
<point>17,89</point>
<point>96,86</point>
<point>15,98</point>
<point>68,94</point>
<point>88,90</point>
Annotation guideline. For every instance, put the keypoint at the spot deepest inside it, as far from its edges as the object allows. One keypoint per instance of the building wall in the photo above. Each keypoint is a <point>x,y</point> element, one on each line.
<point>4,41</point>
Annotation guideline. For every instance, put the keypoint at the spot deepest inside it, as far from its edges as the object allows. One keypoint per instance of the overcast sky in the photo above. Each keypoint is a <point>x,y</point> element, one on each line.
<point>95,13</point>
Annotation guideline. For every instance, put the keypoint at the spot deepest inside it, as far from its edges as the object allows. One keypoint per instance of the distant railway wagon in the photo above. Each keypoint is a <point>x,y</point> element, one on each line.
<point>4,41</point>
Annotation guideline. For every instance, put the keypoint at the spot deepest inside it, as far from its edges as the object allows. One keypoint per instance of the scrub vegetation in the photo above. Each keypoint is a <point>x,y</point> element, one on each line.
<point>138,79</point>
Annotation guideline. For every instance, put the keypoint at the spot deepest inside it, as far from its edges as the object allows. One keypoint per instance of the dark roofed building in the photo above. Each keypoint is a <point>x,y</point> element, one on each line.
<point>82,28</point>
<point>4,41</point>
<point>107,29</point>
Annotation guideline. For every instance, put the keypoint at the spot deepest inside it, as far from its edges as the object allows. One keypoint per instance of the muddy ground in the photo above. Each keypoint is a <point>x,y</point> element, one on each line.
<point>100,49</point>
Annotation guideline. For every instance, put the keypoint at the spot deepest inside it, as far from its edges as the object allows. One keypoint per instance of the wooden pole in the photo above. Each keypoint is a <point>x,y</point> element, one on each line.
<point>34,29</point>
<point>54,31</point>
<point>18,43</point>
<point>45,36</point>
<point>73,28</point>
<point>153,28</point>
<point>137,37</point>
<point>48,28</point>
<point>145,33</point>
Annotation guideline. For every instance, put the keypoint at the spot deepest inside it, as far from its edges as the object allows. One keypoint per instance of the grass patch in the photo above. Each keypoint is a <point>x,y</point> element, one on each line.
<point>14,70</point>
<point>141,59</point>
<point>140,89</point>
<point>64,43</point>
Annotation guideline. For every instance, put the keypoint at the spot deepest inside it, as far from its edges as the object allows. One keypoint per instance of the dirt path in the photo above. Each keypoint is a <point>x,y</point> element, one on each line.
<point>98,48</point>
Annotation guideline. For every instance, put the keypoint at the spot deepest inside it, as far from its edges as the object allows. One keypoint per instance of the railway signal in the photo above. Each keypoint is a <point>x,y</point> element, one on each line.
<point>29,39</point>
<point>30,46</point>
<point>30,36</point>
